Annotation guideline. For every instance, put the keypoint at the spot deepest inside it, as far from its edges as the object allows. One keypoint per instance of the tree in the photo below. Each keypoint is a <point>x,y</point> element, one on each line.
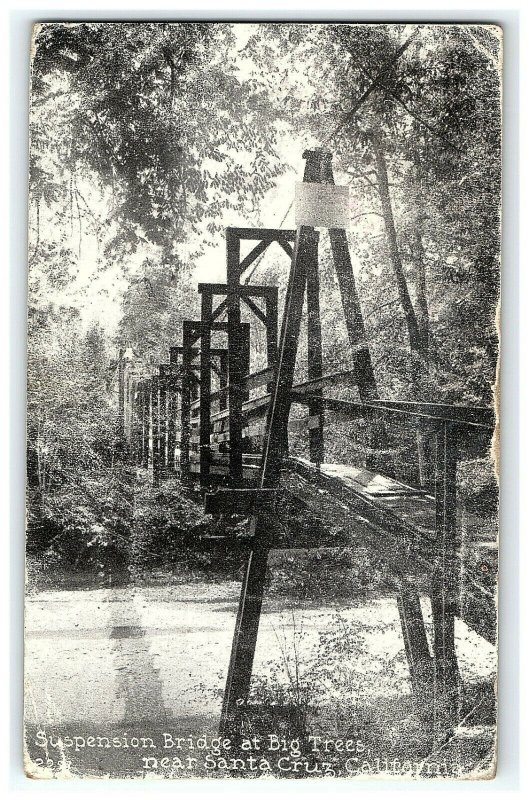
<point>157,114</point>
<point>416,129</point>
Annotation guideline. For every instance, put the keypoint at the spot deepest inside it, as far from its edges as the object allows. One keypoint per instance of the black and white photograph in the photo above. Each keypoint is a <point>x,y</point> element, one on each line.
<point>262,400</point>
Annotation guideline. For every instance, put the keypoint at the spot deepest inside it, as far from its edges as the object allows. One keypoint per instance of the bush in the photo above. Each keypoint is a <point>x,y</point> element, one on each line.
<point>86,523</point>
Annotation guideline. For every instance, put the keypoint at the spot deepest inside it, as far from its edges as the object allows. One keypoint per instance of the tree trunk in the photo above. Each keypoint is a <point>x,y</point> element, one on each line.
<point>394,254</point>
<point>421,389</point>
<point>417,324</point>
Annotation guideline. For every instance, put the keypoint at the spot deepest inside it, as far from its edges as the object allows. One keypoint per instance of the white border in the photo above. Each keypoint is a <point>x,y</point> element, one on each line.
<point>18,22</point>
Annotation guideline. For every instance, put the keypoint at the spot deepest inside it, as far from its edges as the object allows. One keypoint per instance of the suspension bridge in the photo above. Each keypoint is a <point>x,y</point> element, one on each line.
<point>207,418</point>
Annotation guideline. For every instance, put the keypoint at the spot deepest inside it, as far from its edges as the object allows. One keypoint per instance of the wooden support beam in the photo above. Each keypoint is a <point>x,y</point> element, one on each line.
<point>246,630</point>
<point>162,383</point>
<point>146,422</point>
<point>314,357</point>
<point>480,416</point>
<point>271,334</point>
<point>279,409</point>
<point>262,234</point>
<point>121,396</point>
<point>261,315</point>
<point>420,662</point>
<point>244,368</point>
<point>235,374</point>
<point>247,624</point>
<point>238,501</point>
<point>253,254</point>
<point>155,427</point>
<point>205,385</point>
<point>363,368</point>
<point>286,247</point>
<point>223,381</point>
<point>221,308</point>
<point>445,585</point>
<point>243,290</point>
<point>185,407</point>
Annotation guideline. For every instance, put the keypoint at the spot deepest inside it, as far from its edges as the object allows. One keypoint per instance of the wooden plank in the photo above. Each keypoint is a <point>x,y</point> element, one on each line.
<point>469,415</point>
<point>417,650</point>
<point>262,234</point>
<point>250,472</point>
<point>245,290</point>
<point>237,501</point>
<point>223,459</point>
<point>370,483</point>
<point>409,513</point>
<point>350,518</point>
<point>312,385</point>
<point>260,378</point>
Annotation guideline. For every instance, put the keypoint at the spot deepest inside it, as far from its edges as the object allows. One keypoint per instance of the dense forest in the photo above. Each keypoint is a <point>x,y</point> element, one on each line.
<point>148,139</point>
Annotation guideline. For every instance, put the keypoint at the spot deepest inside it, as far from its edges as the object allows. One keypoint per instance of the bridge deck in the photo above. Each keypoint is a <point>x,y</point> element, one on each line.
<point>358,507</point>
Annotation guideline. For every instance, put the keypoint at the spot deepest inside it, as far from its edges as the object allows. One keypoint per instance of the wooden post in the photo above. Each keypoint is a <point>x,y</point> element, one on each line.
<point>162,410</point>
<point>245,356</point>
<point>246,630</point>
<point>121,396</point>
<point>234,357</point>
<point>223,379</point>
<point>276,442</point>
<point>185,408</point>
<point>141,422</point>
<point>314,359</point>
<point>136,422</point>
<point>417,651</point>
<point>354,322</point>
<point>445,583</point>
<point>247,625</point>
<point>271,332</point>
<point>363,373</point>
<point>205,386</point>
<point>146,422</point>
<point>172,406</point>
<point>155,412</point>
<point>150,451</point>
